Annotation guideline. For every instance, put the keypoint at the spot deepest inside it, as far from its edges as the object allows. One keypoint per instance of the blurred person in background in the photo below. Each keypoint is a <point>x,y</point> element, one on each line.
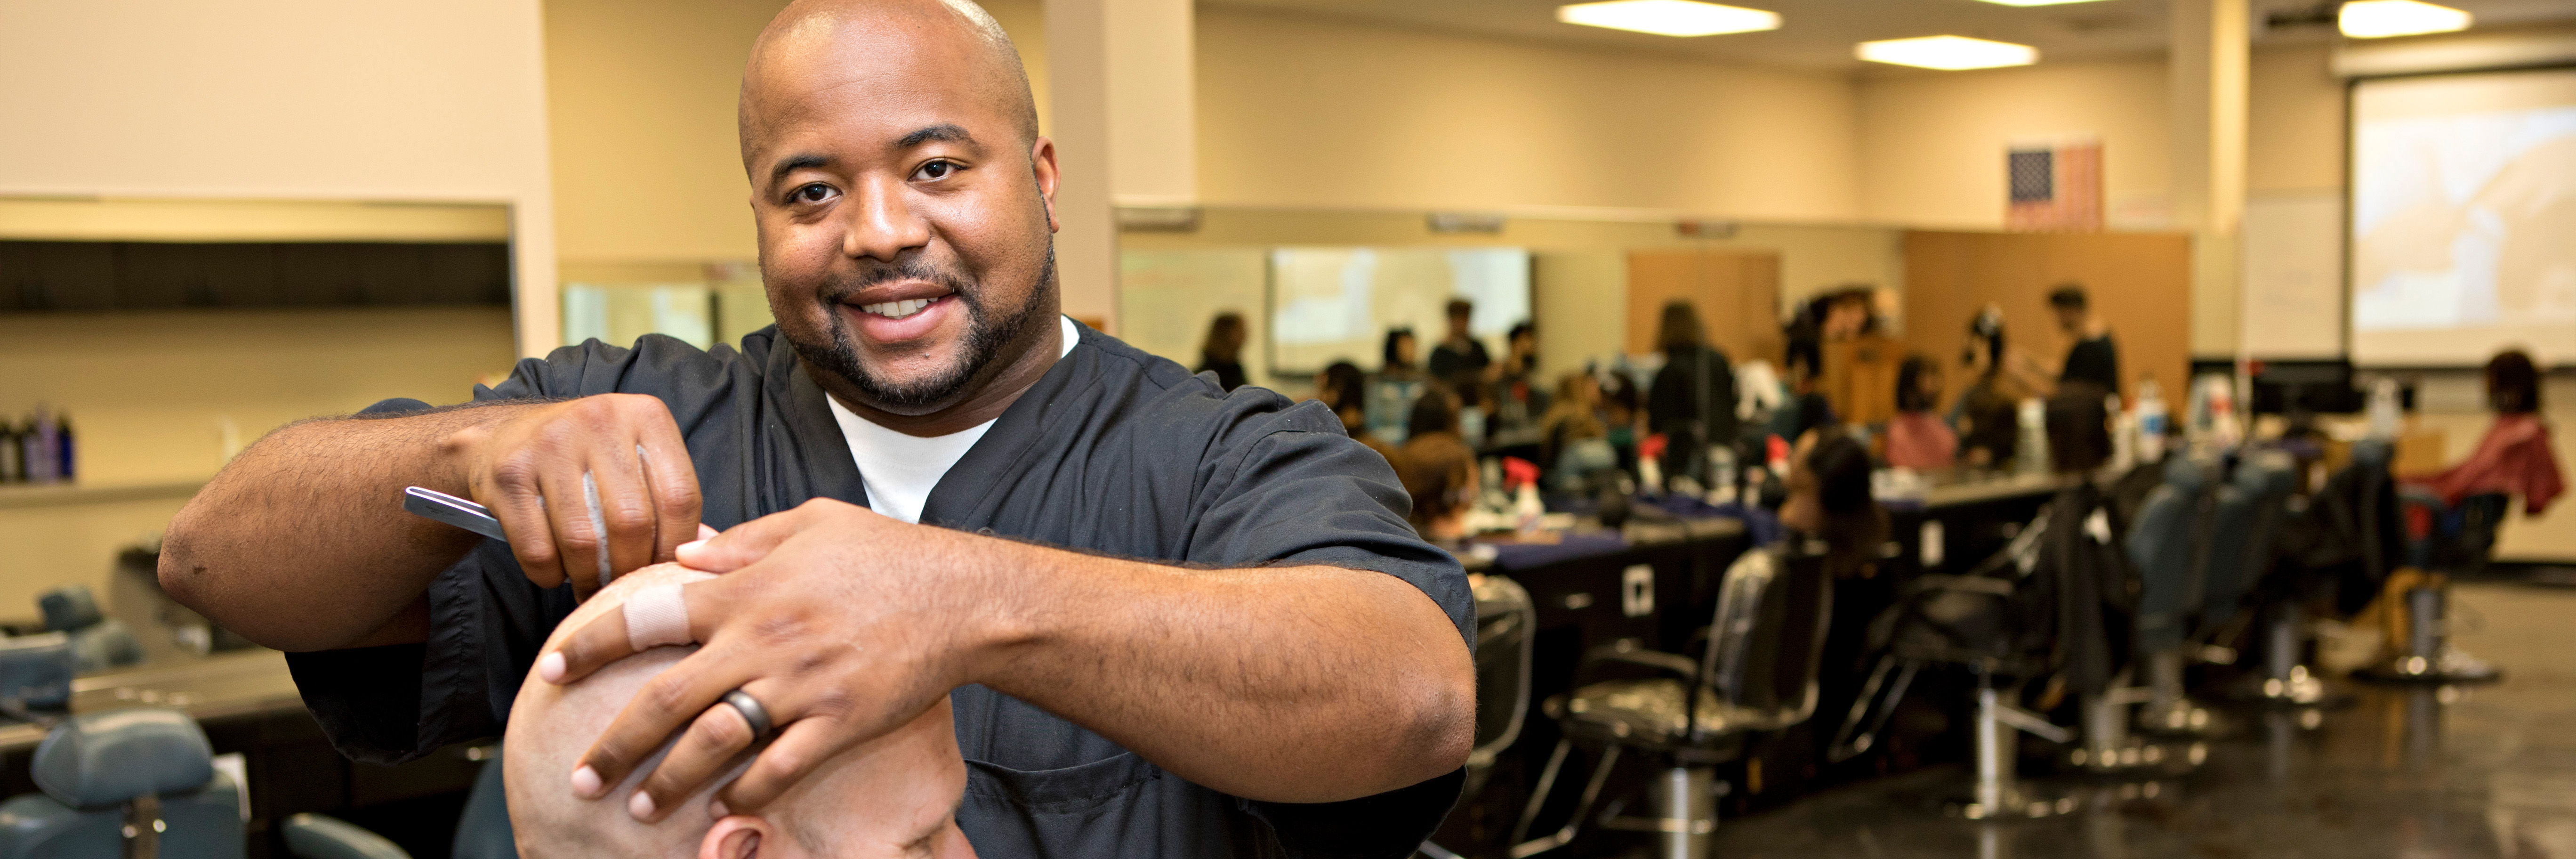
<point>1916,437</point>
<point>1439,472</point>
<point>1434,413</point>
<point>1860,360</point>
<point>1222,352</point>
<point>1518,399</point>
<point>1574,416</point>
<point>1344,389</point>
<point>1397,361</point>
<point>1623,421</point>
<point>2514,458</point>
<point>1987,415</point>
<point>1692,401</point>
<point>2094,359</point>
<point>1459,359</point>
<point>1829,499</point>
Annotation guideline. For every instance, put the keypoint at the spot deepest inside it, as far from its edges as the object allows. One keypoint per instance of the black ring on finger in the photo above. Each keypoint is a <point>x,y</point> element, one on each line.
<point>753,714</point>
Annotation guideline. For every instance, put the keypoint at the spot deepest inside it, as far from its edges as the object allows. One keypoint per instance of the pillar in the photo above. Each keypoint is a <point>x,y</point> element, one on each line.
<point>1122,76</point>
<point>2209,91</point>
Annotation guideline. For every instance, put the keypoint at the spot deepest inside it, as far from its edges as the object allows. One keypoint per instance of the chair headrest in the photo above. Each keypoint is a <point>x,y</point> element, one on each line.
<point>69,608</point>
<point>97,760</point>
<point>36,670</point>
<point>2186,474</point>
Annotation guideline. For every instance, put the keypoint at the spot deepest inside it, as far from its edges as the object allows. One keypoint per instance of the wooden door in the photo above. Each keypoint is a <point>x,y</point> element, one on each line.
<point>1737,294</point>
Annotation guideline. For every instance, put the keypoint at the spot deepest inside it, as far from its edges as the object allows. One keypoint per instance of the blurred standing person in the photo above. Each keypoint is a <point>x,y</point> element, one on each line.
<point>1460,359</point>
<point>1222,352</point>
<point>1692,401</point>
<point>1860,360</point>
<point>1916,438</point>
<point>2093,358</point>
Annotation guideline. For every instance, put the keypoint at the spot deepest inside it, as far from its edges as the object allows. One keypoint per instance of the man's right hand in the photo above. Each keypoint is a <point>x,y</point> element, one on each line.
<point>587,489</point>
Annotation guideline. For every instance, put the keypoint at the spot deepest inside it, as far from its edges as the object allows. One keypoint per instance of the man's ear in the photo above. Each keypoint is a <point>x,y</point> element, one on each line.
<point>735,837</point>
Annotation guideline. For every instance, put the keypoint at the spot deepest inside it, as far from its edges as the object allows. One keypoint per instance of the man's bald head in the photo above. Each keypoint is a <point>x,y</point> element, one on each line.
<point>812,44</point>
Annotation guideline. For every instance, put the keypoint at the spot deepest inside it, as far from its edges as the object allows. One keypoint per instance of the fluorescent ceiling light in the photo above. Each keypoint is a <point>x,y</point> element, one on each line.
<point>2035,2</point>
<point>1948,53</point>
<point>2373,19</point>
<point>1669,17</point>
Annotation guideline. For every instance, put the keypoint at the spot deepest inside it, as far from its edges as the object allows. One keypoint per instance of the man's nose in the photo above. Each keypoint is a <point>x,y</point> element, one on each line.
<point>883,225</point>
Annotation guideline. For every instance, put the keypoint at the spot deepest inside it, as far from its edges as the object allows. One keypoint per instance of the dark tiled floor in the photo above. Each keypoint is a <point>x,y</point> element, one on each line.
<point>2485,771</point>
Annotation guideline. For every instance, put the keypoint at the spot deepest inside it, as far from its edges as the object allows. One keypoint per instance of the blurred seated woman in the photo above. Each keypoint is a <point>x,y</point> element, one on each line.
<point>1622,420</point>
<point>1222,352</point>
<point>1434,413</point>
<point>2514,458</point>
<point>1344,389</point>
<point>1916,438</point>
<point>1829,501</point>
<point>1574,418</point>
<point>1440,473</point>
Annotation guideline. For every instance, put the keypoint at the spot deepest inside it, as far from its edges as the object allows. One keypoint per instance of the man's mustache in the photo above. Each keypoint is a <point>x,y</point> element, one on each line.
<point>841,288</point>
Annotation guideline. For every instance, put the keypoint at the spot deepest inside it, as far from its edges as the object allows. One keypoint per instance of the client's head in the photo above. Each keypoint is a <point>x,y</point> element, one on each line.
<point>892,796</point>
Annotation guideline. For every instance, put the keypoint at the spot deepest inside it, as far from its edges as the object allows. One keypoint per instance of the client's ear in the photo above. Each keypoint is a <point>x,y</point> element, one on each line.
<point>738,836</point>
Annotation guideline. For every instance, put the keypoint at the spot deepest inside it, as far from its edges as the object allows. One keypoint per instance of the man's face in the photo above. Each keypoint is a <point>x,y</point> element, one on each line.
<point>2069,319</point>
<point>904,216</point>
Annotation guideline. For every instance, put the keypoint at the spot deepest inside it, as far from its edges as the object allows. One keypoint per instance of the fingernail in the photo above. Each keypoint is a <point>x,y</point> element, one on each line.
<point>704,531</point>
<point>550,667</point>
<point>641,806</point>
<point>717,807</point>
<point>692,546</point>
<point>585,782</point>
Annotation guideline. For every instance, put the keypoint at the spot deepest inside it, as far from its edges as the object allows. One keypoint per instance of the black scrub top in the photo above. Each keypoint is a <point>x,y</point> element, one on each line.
<point>1112,451</point>
<point>2095,360</point>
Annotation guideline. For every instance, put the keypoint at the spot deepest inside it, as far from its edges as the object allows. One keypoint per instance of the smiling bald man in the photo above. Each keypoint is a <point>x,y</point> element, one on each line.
<point>1169,620</point>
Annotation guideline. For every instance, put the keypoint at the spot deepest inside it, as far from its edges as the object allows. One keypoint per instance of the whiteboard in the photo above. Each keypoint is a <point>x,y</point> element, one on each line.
<point>2292,276</point>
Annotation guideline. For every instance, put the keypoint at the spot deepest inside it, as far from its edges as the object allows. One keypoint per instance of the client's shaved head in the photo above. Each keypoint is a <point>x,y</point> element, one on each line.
<point>892,796</point>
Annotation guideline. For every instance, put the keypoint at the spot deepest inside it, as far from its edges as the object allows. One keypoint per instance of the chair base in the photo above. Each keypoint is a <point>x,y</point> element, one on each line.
<point>2451,666</point>
<point>2181,718</point>
<point>2017,803</point>
<point>2300,690</point>
<point>2139,757</point>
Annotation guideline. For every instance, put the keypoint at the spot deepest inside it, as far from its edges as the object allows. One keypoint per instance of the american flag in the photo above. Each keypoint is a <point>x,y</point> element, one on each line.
<point>2054,188</point>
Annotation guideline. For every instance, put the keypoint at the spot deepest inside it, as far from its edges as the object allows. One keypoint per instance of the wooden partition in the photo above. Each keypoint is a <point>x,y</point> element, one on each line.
<point>2140,283</point>
<point>1737,292</point>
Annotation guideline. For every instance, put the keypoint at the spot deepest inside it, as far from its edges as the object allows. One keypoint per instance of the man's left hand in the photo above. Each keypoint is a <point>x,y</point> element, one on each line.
<point>844,624</point>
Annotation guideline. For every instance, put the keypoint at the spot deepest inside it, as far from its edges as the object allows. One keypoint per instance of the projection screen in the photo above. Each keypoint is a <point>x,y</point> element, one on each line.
<point>2463,218</point>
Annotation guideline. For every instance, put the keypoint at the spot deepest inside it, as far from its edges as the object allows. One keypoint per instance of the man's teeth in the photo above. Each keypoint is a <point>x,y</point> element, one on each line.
<point>897,309</point>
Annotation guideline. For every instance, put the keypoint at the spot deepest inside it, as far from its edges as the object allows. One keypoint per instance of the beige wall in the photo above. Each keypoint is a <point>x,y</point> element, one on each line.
<point>287,99</point>
<point>154,398</point>
<point>1307,111</point>
<point>1932,144</point>
<point>641,97</point>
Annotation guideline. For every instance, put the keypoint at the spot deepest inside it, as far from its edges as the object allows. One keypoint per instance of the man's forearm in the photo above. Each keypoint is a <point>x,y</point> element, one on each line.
<point>301,543</point>
<point>1290,684</point>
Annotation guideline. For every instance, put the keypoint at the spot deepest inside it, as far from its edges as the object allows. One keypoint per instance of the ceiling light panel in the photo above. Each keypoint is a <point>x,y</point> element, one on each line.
<point>1947,53</point>
<point>1669,17</point>
<point>2374,19</point>
<point>2038,2</point>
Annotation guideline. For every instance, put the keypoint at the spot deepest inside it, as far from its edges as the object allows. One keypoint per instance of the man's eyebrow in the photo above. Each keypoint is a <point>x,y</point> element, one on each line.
<point>793,163</point>
<point>943,132</point>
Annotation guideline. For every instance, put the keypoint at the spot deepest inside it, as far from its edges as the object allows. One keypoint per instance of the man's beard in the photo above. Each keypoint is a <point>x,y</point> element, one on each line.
<point>986,334</point>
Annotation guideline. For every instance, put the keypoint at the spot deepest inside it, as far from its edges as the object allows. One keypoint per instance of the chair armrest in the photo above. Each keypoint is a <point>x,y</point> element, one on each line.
<point>313,836</point>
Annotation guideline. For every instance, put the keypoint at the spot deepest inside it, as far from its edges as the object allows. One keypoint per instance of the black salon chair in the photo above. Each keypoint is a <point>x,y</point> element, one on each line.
<point>1505,620</point>
<point>1756,674</point>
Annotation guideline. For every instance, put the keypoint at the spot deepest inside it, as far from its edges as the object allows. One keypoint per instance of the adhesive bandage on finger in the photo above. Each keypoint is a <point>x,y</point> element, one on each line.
<point>598,522</point>
<point>656,616</point>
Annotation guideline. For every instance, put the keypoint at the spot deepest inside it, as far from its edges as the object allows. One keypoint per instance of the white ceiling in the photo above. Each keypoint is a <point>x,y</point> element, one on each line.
<point>1819,34</point>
